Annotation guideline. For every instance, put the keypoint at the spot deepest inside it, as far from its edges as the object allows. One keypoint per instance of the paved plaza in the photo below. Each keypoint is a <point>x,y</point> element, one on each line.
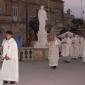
<point>39,73</point>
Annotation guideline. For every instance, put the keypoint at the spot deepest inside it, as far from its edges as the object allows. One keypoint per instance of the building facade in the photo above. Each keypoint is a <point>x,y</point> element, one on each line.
<point>12,18</point>
<point>15,15</point>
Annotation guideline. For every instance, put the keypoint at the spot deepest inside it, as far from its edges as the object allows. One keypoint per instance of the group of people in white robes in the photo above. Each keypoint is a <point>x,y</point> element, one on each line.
<point>73,47</point>
<point>9,72</point>
<point>70,47</point>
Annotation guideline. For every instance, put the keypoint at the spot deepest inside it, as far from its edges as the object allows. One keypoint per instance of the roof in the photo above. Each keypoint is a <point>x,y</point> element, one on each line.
<point>58,1</point>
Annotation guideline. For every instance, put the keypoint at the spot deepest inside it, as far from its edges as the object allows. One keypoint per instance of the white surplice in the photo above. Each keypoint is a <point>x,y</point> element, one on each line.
<point>3,42</point>
<point>63,48</point>
<point>76,42</point>
<point>10,70</point>
<point>81,44</point>
<point>66,50</point>
<point>84,51</point>
<point>53,52</point>
<point>1,78</point>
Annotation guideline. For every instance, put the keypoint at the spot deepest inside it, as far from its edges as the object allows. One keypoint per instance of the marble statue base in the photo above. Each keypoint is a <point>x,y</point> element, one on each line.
<point>42,40</point>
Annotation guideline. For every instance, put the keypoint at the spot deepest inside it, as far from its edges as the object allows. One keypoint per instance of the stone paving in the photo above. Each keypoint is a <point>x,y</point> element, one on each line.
<point>39,73</point>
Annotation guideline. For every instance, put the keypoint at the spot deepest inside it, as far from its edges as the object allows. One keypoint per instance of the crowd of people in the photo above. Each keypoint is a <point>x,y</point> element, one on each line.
<point>73,47</point>
<point>69,47</point>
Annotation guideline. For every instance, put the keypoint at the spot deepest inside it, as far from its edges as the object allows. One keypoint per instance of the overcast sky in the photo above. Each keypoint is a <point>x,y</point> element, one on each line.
<point>75,6</point>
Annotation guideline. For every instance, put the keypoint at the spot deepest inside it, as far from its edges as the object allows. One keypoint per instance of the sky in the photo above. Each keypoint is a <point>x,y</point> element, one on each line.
<point>75,6</point>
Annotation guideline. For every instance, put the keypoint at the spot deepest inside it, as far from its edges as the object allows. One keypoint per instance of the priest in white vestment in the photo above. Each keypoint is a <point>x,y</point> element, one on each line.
<point>3,42</point>
<point>81,44</point>
<point>84,51</point>
<point>53,54</point>
<point>10,60</point>
<point>63,48</point>
<point>76,45</point>
<point>66,50</point>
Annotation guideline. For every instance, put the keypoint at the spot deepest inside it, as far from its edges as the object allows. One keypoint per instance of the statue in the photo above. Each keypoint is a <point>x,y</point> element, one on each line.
<point>42,17</point>
<point>42,34</point>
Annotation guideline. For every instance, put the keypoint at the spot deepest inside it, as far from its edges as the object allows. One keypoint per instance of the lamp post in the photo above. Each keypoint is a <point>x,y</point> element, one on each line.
<point>82,12</point>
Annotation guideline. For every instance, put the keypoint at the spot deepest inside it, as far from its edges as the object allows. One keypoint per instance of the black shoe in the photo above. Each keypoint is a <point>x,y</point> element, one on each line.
<point>12,82</point>
<point>67,61</point>
<point>80,57</point>
<point>5,82</point>
<point>74,59</point>
<point>54,67</point>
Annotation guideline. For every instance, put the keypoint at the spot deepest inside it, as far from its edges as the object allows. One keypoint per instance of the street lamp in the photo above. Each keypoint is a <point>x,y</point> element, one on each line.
<point>82,12</point>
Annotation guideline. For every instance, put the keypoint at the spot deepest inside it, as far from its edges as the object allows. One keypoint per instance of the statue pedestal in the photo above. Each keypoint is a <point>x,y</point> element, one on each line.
<point>39,54</point>
<point>42,39</point>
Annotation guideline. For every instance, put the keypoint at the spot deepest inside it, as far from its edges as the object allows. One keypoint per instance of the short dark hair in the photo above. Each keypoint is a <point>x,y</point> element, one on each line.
<point>9,32</point>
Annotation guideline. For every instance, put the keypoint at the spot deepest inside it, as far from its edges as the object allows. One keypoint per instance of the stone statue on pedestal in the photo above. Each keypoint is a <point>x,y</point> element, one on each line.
<point>42,34</point>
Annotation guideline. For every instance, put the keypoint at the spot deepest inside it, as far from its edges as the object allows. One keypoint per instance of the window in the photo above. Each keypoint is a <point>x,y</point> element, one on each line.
<point>14,11</point>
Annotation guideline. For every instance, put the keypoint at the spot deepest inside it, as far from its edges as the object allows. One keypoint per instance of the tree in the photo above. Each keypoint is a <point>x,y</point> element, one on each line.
<point>34,25</point>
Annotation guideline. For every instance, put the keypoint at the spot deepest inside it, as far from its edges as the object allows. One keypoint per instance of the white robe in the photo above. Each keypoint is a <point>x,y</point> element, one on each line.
<point>81,39</point>
<point>54,52</point>
<point>3,42</point>
<point>10,67</point>
<point>66,50</point>
<point>1,78</point>
<point>84,51</point>
<point>76,52</point>
<point>63,48</point>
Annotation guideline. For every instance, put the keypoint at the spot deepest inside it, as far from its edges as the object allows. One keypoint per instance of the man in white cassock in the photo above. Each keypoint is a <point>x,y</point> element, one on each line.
<point>66,48</point>
<point>10,59</point>
<point>76,45</point>
<point>83,58</point>
<point>81,43</point>
<point>63,48</point>
<point>53,53</point>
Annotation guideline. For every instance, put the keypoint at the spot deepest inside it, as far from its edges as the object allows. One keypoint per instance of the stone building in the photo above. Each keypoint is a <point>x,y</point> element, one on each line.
<point>16,14</point>
<point>12,18</point>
